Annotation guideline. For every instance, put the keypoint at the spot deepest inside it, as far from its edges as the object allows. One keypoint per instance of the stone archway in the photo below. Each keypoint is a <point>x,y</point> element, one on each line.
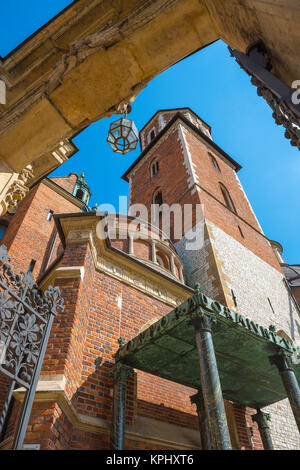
<point>71,72</point>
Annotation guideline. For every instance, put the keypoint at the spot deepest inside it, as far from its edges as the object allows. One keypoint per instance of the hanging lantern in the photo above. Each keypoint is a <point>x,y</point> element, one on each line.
<point>123,135</point>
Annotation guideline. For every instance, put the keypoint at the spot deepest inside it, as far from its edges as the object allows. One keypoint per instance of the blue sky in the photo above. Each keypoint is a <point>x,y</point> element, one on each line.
<point>212,84</point>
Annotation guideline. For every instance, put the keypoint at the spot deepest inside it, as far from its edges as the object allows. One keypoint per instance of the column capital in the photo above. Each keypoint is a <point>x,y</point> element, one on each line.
<point>201,319</point>
<point>282,360</point>
<point>120,373</point>
<point>262,419</point>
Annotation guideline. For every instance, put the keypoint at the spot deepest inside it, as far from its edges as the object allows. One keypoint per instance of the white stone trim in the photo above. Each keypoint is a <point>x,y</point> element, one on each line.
<point>114,263</point>
<point>188,163</point>
<point>161,122</point>
<point>69,271</point>
<point>149,134</point>
<point>246,197</point>
<point>130,191</point>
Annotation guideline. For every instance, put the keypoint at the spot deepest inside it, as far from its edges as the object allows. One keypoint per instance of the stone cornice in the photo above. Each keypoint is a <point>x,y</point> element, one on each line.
<point>62,272</point>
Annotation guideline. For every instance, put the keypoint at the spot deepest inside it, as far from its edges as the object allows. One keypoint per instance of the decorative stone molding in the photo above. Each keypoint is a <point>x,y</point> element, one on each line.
<point>117,264</point>
<point>257,64</point>
<point>49,161</point>
<point>63,272</point>
<point>17,190</point>
<point>138,281</point>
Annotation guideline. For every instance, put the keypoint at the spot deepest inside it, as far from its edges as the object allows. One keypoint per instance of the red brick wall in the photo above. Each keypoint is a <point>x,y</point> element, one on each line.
<point>81,346</point>
<point>88,331</point>
<point>172,179</point>
<point>243,421</point>
<point>4,388</point>
<point>142,249</point>
<point>122,245</point>
<point>85,337</point>
<point>166,118</point>
<point>66,182</point>
<point>29,234</point>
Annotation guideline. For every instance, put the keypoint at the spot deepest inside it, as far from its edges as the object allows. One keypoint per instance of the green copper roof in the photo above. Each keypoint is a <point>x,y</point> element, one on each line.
<point>168,349</point>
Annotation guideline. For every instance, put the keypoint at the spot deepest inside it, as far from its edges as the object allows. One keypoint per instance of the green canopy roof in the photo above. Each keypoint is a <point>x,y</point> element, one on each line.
<point>168,349</point>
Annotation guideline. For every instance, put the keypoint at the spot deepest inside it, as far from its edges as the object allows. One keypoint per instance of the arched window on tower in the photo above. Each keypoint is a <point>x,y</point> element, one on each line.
<point>79,194</point>
<point>157,197</point>
<point>157,202</point>
<point>151,135</point>
<point>214,162</point>
<point>227,198</point>
<point>154,168</point>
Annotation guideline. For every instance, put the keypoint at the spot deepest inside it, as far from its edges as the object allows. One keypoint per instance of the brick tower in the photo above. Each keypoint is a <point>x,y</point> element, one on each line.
<point>233,261</point>
<point>117,287</point>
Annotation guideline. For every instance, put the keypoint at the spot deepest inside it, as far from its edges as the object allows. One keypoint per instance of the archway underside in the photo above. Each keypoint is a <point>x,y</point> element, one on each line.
<point>95,57</point>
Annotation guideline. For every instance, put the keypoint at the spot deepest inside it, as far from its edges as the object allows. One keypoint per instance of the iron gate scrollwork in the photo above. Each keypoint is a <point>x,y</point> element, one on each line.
<point>26,318</point>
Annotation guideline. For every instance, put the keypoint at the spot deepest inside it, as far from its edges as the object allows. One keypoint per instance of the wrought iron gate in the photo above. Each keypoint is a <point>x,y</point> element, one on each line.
<point>26,318</point>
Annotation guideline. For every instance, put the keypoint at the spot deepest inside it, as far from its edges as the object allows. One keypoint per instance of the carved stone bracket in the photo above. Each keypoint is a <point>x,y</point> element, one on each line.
<point>17,190</point>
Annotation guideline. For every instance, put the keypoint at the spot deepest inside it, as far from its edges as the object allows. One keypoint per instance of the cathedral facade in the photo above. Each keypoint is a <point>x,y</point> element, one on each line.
<point>120,274</point>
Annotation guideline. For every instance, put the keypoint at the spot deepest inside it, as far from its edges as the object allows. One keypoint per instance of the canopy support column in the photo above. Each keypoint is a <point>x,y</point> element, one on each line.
<point>262,419</point>
<point>120,373</point>
<point>198,400</point>
<point>284,364</point>
<point>211,386</point>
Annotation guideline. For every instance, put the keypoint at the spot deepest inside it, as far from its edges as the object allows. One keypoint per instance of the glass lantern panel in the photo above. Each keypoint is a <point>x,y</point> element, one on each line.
<point>134,128</point>
<point>127,122</point>
<point>121,144</point>
<point>113,146</point>
<point>116,124</point>
<point>131,137</point>
<point>117,132</point>
<point>125,131</point>
<point>132,146</point>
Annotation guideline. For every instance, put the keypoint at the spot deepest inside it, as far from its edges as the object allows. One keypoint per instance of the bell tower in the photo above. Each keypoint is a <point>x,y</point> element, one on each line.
<point>231,258</point>
<point>82,191</point>
<point>181,164</point>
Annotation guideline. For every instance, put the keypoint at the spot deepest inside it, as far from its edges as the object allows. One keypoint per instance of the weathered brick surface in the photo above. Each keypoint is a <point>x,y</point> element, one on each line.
<point>248,432</point>
<point>66,182</point>
<point>30,235</point>
<point>177,186</point>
